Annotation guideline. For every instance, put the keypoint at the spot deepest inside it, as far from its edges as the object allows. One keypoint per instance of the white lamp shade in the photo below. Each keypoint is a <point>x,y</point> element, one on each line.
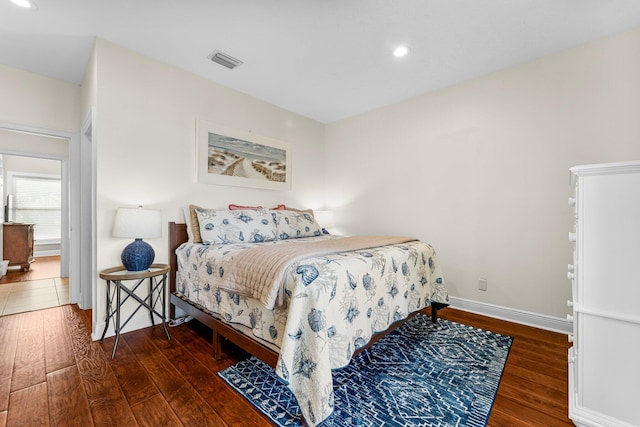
<point>324,218</point>
<point>137,223</point>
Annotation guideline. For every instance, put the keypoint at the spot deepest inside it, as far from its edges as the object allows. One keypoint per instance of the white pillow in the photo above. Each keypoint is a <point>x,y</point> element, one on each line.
<point>238,226</point>
<point>187,221</point>
<point>295,224</point>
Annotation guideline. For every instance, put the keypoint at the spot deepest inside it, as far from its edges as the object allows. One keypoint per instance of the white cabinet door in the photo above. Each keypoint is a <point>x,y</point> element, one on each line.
<point>604,363</point>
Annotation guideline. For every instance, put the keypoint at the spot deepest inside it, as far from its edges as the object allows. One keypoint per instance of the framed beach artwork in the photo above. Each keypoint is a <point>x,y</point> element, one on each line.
<point>233,157</point>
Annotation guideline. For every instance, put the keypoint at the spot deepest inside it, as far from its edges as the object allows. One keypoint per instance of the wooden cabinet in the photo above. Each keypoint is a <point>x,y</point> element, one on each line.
<point>604,367</point>
<point>17,244</point>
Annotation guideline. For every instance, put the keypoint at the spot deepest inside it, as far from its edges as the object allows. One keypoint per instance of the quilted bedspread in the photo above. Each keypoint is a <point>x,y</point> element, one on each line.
<point>259,272</point>
<point>333,305</point>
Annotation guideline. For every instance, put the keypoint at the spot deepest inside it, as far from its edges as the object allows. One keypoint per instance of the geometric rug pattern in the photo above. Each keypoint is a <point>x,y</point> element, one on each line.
<point>421,374</point>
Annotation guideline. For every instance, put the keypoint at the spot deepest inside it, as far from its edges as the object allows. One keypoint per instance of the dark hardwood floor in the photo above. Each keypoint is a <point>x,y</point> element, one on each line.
<point>52,374</point>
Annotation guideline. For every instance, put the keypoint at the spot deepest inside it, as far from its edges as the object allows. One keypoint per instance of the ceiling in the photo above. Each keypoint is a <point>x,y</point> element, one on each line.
<point>323,59</point>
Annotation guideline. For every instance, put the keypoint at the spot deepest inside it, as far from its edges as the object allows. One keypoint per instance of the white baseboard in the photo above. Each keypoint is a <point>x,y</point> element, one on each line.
<point>140,320</point>
<point>53,252</point>
<point>550,323</point>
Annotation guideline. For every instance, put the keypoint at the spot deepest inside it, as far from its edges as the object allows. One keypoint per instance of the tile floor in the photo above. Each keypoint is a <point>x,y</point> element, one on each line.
<point>33,295</point>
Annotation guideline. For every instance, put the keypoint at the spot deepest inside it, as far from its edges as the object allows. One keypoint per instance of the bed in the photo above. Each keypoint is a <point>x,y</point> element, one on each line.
<point>328,304</point>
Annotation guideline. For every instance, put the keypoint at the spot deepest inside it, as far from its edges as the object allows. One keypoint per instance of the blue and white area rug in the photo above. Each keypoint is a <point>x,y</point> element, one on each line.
<point>422,374</point>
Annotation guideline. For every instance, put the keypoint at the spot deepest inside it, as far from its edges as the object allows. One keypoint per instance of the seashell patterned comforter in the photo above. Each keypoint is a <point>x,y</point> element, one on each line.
<point>333,305</point>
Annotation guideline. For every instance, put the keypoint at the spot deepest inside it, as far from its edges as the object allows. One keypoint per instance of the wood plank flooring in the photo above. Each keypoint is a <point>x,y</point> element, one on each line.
<point>52,374</point>
<point>45,267</point>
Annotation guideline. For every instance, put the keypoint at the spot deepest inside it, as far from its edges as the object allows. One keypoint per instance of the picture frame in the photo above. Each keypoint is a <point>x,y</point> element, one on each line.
<point>233,157</point>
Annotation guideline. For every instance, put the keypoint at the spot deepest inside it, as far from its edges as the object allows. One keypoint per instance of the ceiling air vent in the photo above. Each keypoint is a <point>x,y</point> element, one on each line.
<point>224,59</point>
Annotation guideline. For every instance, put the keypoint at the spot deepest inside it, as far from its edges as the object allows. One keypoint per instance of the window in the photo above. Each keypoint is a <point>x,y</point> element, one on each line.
<point>37,200</point>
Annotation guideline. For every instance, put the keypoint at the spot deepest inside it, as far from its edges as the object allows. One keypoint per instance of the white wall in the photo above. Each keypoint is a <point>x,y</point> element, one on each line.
<point>89,89</point>
<point>28,165</point>
<point>31,165</point>
<point>35,103</point>
<point>480,169</point>
<point>11,141</point>
<point>38,101</point>
<point>146,122</point>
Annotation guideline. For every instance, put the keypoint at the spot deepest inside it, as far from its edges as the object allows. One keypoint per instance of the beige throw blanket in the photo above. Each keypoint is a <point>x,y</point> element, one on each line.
<point>259,272</point>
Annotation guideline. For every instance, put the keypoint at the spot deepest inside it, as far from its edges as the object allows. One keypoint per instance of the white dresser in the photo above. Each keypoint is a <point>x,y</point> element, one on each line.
<point>604,361</point>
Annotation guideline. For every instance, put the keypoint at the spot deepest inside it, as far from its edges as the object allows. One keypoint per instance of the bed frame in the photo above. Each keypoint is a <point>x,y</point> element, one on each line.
<point>220,329</point>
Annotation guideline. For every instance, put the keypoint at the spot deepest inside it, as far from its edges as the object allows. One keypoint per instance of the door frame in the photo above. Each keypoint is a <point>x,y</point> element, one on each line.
<point>72,241</point>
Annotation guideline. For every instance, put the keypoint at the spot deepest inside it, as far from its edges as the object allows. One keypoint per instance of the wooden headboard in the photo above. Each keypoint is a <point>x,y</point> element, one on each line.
<point>177,236</point>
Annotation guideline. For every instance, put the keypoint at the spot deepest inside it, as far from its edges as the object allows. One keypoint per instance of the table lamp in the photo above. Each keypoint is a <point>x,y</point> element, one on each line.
<point>137,223</point>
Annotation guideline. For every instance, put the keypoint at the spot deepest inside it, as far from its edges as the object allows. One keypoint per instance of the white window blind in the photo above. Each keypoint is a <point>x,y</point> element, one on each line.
<point>37,200</point>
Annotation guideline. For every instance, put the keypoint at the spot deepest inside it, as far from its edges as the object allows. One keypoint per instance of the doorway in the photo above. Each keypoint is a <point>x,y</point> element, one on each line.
<point>31,189</point>
<point>30,141</point>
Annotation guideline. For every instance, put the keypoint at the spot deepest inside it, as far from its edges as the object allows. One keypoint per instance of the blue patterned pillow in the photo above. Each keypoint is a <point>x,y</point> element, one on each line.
<point>238,226</point>
<point>294,224</point>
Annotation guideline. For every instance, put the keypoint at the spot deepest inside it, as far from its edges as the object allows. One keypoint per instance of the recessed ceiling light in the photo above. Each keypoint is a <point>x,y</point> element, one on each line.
<point>400,51</point>
<point>27,4</point>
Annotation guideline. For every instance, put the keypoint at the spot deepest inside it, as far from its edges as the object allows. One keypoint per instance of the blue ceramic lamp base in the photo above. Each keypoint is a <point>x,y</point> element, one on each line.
<point>137,256</point>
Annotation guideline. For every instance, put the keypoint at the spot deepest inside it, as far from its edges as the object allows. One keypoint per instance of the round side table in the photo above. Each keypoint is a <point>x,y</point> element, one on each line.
<point>157,275</point>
